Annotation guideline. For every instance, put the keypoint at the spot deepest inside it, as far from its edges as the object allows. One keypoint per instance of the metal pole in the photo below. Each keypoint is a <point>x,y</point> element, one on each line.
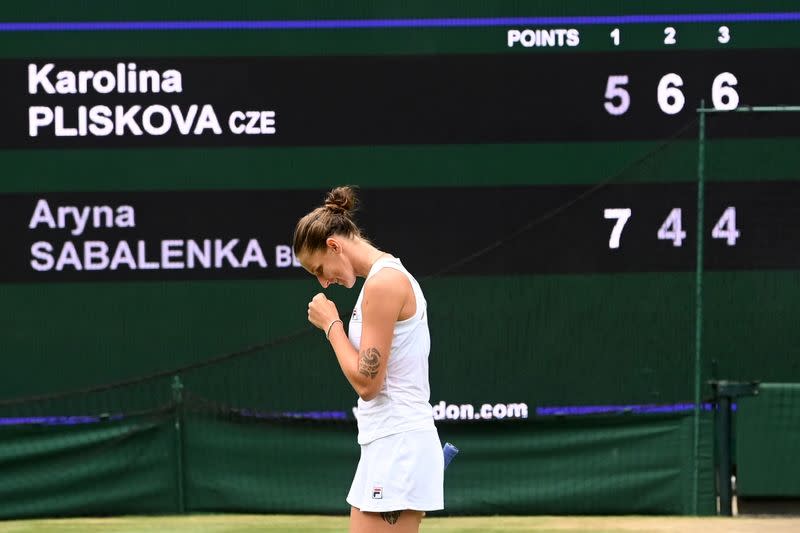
<point>698,303</point>
<point>177,396</point>
<point>723,418</point>
<point>724,450</point>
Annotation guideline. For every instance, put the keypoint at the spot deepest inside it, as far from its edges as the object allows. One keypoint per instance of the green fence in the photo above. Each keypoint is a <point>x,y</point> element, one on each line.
<point>767,435</point>
<point>227,462</point>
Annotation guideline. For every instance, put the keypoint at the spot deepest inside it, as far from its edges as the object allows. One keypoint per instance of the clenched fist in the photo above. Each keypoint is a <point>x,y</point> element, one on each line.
<point>321,311</point>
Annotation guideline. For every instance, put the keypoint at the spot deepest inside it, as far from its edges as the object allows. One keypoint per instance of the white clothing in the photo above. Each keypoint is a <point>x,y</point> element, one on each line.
<point>398,472</point>
<point>401,465</point>
<point>403,403</point>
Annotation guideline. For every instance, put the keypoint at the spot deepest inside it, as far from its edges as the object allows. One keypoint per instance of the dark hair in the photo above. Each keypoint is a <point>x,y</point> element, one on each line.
<point>334,217</point>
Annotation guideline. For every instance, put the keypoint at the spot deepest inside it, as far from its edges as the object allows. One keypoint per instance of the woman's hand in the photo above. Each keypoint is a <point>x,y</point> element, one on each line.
<point>321,311</point>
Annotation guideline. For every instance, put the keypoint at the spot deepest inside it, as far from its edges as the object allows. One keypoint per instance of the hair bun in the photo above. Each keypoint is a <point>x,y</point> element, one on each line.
<point>341,200</point>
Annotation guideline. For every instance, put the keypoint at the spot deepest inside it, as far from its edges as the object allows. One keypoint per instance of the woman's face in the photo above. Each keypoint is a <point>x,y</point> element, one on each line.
<point>329,266</point>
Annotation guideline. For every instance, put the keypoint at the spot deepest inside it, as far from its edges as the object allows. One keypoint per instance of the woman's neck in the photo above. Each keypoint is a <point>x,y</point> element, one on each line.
<point>364,256</point>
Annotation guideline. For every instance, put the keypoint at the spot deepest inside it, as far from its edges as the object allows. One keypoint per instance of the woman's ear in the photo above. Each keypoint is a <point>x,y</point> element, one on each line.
<point>333,245</point>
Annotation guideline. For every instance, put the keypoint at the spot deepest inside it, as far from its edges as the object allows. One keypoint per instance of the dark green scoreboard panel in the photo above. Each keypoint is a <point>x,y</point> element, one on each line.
<point>535,164</point>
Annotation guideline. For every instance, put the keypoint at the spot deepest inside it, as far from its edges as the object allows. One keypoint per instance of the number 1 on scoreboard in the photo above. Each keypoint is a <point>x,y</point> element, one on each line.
<point>615,36</point>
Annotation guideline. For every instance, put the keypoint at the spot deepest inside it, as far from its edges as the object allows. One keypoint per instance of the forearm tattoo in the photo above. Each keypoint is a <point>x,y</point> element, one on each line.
<point>391,517</point>
<point>368,362</point>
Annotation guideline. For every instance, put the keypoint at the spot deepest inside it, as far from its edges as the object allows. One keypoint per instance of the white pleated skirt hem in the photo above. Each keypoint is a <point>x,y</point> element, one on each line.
<point>398,472</point>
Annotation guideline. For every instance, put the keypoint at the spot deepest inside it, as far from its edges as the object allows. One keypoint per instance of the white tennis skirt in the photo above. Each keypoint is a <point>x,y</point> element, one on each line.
<point>398,472</point>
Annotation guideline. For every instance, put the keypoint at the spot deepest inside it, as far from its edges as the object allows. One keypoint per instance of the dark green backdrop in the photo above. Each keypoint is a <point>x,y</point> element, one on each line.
<point>591,339</point>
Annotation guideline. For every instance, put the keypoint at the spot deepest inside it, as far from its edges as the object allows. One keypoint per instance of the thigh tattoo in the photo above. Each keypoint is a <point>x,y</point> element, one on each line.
<point>391,517</point>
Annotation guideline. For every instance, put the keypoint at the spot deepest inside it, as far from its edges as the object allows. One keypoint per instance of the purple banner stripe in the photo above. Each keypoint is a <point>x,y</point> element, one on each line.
<point>56,420</point>
<point>392,23</point>
<point>580,410</point>
<point>80,419</point>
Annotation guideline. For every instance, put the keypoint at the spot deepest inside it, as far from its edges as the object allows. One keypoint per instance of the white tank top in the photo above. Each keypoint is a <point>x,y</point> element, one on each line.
<point>403,403</point>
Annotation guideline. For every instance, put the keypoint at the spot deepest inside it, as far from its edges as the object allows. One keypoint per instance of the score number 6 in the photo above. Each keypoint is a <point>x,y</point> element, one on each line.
<point>670,97</point>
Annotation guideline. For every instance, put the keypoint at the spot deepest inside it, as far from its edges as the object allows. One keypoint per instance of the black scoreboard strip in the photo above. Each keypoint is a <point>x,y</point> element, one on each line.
<point>432,230</point>
<point>509,98</point>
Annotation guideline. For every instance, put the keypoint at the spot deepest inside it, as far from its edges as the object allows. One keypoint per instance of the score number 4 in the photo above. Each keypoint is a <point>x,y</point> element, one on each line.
<point>672,228</point>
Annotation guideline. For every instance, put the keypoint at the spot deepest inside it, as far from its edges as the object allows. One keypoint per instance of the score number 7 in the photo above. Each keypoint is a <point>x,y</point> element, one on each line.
<point>622,215</point>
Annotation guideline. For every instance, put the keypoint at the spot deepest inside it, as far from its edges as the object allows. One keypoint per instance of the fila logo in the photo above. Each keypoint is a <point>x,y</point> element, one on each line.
<point>377,493</point>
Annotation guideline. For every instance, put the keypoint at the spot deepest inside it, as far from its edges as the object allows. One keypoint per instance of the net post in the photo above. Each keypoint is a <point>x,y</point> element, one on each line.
<point>725,393</point>
<point>177,398</point>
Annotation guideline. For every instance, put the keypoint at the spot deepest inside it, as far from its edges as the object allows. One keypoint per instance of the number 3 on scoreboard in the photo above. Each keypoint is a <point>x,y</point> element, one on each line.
<point>621,215</point>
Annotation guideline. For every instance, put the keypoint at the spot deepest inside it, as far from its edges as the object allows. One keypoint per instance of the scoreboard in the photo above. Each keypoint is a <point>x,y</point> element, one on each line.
<point>535,164</point>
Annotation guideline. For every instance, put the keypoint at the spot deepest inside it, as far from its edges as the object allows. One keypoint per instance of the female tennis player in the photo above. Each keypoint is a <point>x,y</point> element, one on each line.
<point>384,356</point>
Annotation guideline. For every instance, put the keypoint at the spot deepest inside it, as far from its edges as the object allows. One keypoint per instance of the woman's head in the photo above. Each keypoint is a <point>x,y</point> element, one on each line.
<point>332,218</point>
<point>322,235</point>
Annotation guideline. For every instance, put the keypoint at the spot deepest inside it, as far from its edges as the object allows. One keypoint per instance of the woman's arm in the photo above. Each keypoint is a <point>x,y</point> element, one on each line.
<point>384,296</point>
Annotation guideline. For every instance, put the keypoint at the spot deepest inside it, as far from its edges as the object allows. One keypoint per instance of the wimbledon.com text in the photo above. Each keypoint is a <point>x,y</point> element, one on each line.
<point>486,411</point>
<point>467,411</point>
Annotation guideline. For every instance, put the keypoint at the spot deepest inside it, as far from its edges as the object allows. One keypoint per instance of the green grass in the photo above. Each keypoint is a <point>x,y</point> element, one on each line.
<point>319,524</point>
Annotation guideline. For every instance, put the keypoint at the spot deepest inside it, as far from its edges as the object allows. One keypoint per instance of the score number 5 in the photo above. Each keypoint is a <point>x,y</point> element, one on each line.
<point>615,89</point>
